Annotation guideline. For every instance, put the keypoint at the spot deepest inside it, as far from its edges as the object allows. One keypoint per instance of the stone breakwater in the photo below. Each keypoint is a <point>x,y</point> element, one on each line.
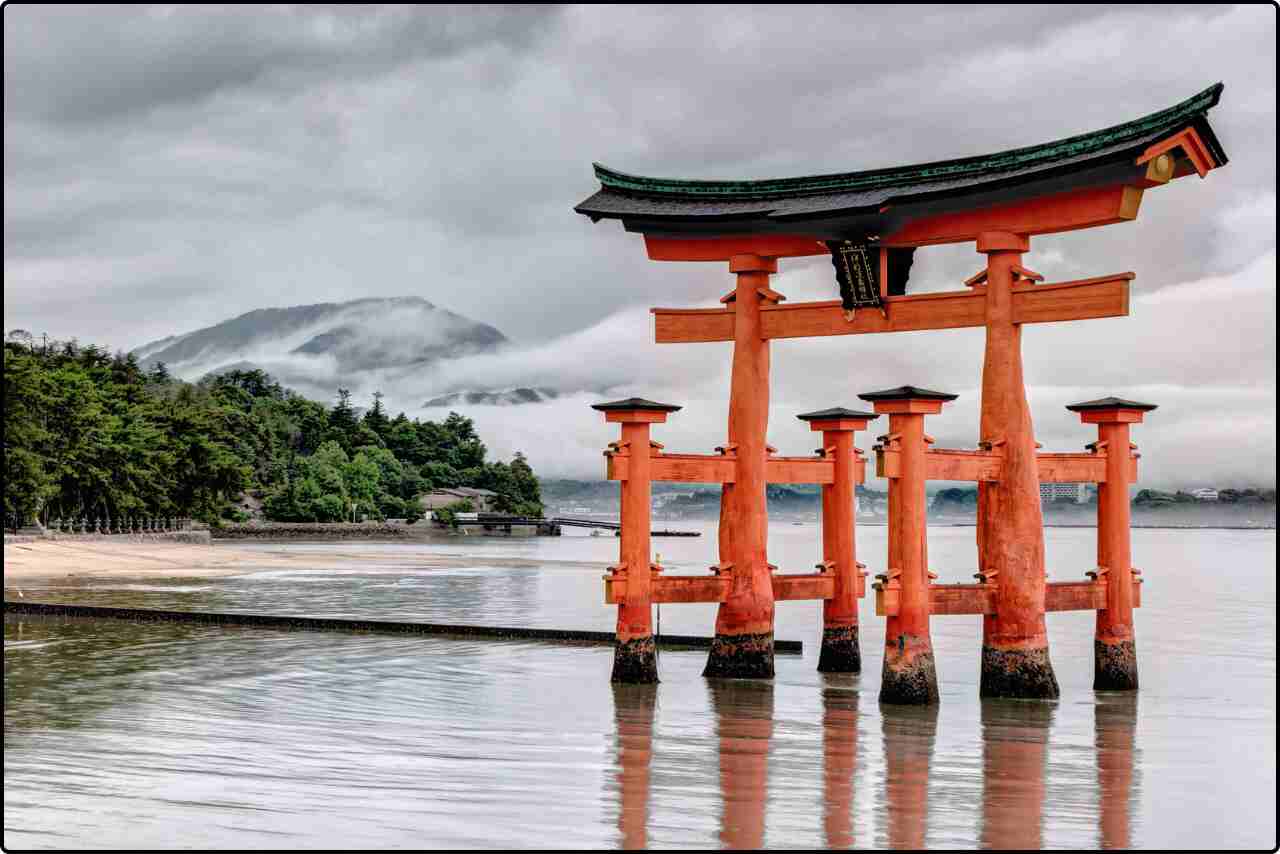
<point>200,537</point>
<point>284,621</point>
<point>320,531</point>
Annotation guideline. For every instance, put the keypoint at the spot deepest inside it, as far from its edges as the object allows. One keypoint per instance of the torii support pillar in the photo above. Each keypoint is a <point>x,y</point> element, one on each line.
<point>840,650</point>
<point>909,676</point>
<point>743,644</point>
<point>1015,645</point>
<point>634,656</point>
<point>1115,655</point>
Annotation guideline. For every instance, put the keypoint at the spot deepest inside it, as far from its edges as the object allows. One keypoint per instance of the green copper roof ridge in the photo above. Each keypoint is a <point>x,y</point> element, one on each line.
<point>1185,111</point>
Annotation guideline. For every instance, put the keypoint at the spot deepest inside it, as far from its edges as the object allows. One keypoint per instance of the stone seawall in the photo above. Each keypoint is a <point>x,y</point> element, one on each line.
<point>321,531</point>
<point>283,621</point>
<point>200,537</point>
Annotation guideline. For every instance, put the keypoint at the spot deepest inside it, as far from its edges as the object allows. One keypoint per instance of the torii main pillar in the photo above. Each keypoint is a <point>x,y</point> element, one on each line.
<point>743,645</point>
<point>1015,645</point>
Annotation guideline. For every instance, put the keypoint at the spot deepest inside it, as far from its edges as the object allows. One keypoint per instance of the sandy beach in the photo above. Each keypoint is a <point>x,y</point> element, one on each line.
<point>57,558</point>
<point>122,559</point>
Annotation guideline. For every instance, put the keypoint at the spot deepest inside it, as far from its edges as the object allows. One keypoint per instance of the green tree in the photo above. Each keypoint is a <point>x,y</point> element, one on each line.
<point>363,481</point>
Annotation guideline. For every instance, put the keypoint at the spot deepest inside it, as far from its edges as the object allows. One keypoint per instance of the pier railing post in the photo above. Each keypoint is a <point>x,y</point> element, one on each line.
<point>909,675</point>
<point>743,645</point>
<point>1010,530</point>
<point>1115,656</point>
<point>840,648</point>
<point>634,658</point>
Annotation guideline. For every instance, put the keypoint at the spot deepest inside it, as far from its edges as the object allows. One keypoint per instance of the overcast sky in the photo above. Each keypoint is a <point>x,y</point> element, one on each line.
<point>166,169</point>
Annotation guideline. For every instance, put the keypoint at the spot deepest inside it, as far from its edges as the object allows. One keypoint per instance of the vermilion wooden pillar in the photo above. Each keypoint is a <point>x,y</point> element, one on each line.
<point>1115,656</point>
<point>743,644</point>
<point>1015,645</point>
<point>634,658</point>
<point>909,675</point>
<point>840,649</point>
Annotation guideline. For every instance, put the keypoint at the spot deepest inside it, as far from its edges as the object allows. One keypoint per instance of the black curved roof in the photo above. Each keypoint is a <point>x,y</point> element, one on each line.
<point>635,403</point>
<point>848,204</point>
<point>835,413</point>
<point>1110,403</point>
<point>908,392</point>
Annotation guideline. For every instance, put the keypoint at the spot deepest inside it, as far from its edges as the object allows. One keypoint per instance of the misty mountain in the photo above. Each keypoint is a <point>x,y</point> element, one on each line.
<point>316,348</point>
<point>509,397</point>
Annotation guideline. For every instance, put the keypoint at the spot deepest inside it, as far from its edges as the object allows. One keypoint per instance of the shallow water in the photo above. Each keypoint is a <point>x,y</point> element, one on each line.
<point>120,734</point>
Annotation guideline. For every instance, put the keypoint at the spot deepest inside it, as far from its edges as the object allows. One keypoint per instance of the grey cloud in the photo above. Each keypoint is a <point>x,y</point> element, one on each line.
<point>83,64</point>
<point>167,170</point>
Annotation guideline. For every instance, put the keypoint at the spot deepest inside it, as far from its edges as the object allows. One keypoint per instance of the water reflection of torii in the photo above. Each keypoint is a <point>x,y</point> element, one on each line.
<point>1114,722</point>
<point>1014,766</point>
<point>633,708</point>
<point>1015,738</point>
<point>839,758</point>
<point>744,724</point>
<point>909,733</point>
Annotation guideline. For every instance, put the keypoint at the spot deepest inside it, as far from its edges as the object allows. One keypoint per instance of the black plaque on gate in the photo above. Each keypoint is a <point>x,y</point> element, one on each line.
<point>857,272</point>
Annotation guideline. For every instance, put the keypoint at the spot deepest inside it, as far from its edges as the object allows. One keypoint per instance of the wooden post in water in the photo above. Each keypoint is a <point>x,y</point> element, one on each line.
<point>743,645</point>
<point>840,650</point>
<point>909,675</point>
<point>634,658</point>
<point>1010,531</point>
<point>1115,655</point>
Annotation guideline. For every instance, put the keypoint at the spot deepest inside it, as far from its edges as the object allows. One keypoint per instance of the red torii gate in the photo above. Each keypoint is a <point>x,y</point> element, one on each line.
<point>872,223</point>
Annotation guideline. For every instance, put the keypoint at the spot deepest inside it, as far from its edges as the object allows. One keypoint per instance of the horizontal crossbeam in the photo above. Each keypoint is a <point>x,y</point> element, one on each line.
<point>974,466</point>
<point>1066,211</point>
<point>947,599</point>
<point>715,588</point>
<point>714,468</point>
<point>1083,299</point>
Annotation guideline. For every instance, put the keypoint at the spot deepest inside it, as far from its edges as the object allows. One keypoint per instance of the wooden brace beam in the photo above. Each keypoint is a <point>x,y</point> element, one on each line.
<point>1083,299</point>
<point>686,589</point>
<point>950,599</point>
<point>975,466</point>
<point>714,468</point>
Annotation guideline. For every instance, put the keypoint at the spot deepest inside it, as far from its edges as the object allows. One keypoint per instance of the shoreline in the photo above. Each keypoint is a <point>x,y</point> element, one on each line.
<point>67,557</point>
<point>64,558</point>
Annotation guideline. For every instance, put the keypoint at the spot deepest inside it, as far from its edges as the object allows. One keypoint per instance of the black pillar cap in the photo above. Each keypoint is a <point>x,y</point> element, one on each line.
<point>907,392</point>
<point>635,403</point>
<point>835,413</point>
<point>1110,403</point>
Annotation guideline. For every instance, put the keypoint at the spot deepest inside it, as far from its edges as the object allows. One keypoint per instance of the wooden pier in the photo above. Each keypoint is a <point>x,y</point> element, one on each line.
<point>549,527</point>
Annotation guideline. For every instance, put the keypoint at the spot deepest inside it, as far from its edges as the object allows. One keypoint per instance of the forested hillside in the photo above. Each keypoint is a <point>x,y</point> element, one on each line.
<point>88,433</point>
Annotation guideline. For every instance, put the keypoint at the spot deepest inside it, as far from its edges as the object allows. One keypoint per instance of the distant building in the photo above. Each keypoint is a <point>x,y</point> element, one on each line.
<point>1075,492</point>
<point>1205,494</point>
<point>482,499</point>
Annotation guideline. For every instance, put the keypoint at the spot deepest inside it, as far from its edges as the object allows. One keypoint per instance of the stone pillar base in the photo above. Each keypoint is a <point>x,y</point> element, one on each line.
<point>909,683</point>
<point>1020,674</point>
<point>635,662</point>
<point>1115,666</point>
<point>740,657</point>
<point>840,652</point>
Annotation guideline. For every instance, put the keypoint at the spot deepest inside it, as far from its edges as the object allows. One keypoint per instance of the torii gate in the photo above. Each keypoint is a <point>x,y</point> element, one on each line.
<point>872,223</point>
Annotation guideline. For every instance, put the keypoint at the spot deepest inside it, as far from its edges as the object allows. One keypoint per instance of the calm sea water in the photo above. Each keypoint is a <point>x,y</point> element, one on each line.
<point>121,735</point>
